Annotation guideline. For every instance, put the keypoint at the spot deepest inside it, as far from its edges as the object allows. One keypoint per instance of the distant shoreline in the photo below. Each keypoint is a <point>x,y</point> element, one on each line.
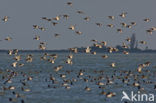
<point>82,51</point>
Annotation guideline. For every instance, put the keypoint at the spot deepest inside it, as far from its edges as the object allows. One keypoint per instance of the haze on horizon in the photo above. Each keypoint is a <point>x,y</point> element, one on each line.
<point>24,14</point>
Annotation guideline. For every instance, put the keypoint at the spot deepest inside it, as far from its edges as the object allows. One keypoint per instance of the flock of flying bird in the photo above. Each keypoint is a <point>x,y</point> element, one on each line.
<point>125,76</point>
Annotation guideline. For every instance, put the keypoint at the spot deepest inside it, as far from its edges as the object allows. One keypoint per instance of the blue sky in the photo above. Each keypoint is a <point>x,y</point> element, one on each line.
<point>23,14</point>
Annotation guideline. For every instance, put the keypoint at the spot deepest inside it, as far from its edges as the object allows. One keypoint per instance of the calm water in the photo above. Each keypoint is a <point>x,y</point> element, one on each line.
<point>90,64</point>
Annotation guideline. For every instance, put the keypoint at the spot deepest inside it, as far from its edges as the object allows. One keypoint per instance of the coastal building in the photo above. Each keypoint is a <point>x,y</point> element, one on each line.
<point>134,42</point>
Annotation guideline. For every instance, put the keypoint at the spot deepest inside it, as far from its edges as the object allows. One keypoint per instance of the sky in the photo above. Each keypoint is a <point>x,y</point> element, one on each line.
<point>23,14</point>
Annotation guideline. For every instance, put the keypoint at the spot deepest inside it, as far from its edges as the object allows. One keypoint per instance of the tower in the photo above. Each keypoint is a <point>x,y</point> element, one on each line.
<point>133,41</point>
